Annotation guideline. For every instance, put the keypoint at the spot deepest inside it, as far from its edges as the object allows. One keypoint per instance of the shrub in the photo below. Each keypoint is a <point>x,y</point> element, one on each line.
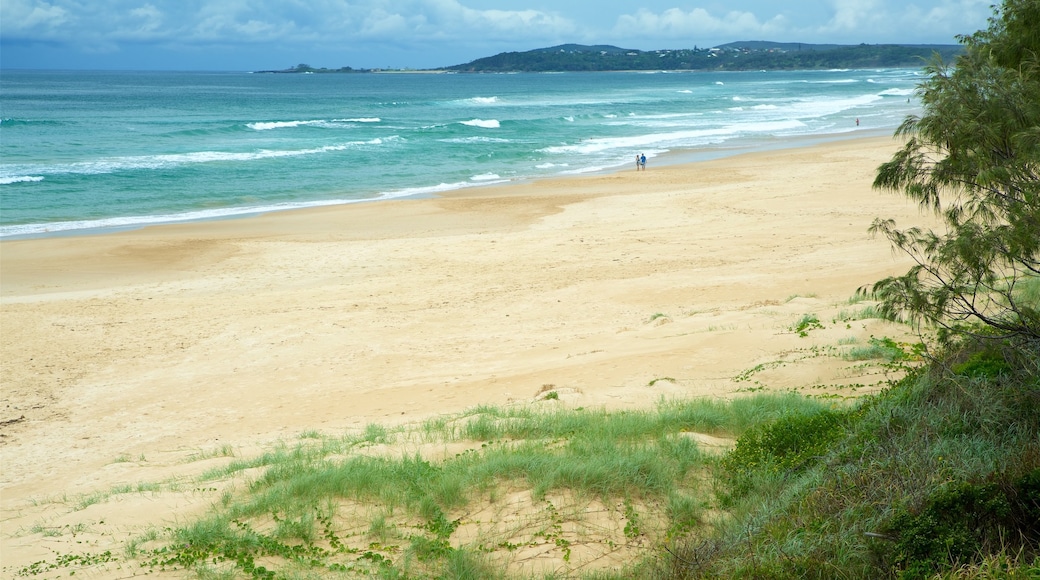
<point>789,444</point>
<point>960,522</point>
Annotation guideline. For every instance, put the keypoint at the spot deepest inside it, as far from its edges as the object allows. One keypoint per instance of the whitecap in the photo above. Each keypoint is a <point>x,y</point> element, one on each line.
<point>485,177</point>
<point>465,140</point>
<point>484,100</point>
<point>114,164</point>
<point>268,125</point>
<point>488,124</point>
<point>20,179</point>
<point>897,92</point>
<point>694,137</point>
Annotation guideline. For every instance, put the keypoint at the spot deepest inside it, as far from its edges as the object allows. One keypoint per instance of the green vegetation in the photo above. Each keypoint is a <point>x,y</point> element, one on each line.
<point>879,348</point>
<point>805,324</point>
<point>308,69</point>
<point>973,158</point>
<point>733,56</point>
<point>937,475</point>
<point>755,55</point>
<point>325,508</point>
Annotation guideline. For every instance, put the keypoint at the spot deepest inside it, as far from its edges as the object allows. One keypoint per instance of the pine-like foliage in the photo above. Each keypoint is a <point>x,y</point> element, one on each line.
<point>973,157</point>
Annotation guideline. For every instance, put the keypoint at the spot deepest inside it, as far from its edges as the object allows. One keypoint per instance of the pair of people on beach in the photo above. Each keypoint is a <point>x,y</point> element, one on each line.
<point>641,162</point>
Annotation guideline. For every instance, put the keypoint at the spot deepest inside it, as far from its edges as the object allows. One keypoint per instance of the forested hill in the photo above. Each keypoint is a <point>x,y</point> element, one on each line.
<point>748,55</point>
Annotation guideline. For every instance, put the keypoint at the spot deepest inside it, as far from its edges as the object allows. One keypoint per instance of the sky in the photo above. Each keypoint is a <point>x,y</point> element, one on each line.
<point>235,35</point>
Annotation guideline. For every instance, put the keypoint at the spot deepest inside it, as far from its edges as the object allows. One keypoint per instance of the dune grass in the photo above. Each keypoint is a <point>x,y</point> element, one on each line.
<point>587,483</point>
<point>938,476</point>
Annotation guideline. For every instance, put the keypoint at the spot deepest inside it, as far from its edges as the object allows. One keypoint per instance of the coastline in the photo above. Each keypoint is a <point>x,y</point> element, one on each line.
<point>180,339</point>
<point>674,157</point>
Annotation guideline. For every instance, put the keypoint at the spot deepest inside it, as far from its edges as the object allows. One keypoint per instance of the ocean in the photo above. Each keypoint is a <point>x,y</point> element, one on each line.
<point>83,151</point>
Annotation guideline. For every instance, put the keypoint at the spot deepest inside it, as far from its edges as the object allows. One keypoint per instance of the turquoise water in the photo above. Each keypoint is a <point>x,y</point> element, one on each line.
<point>87,150</point>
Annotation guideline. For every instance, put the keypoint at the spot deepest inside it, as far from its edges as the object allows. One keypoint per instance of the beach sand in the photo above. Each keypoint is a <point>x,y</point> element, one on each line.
<point>126,354</point>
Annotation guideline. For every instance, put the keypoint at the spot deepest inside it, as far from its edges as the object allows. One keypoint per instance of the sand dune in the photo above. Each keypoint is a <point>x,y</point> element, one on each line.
<point>125,353</point>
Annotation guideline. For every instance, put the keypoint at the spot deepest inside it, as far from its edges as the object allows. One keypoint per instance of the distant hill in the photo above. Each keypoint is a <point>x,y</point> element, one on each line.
<point>606,48</point>
<point>743,55</point>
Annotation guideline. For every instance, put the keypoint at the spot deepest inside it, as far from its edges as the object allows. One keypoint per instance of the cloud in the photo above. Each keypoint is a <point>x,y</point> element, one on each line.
<point>450,20</point>
<point>26,17</point>
<point>677,23</point>
<point>286,21</point>
<point>432,32</point>
<point>237,22</point>
<point>854,15</point>
<point>878,20</point>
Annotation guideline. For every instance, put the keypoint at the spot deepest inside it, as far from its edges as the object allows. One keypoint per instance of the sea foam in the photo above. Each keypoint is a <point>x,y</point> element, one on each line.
<point>145,162</point>
<point>488,124</point>
<point>267,126</point>
<point>20,179</point>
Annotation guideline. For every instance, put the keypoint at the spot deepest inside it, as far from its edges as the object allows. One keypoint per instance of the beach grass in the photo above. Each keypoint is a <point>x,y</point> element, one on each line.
<point>886,485</point>
<point>938,477</point>
<point>430,500</point>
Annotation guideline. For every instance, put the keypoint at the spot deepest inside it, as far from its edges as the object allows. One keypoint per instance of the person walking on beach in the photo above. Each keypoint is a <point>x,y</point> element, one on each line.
<point>637,162</point>
<point>642,161</point>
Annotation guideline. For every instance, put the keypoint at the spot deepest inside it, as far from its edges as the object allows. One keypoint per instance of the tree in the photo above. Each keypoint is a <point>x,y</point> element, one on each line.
<point>973,157</point>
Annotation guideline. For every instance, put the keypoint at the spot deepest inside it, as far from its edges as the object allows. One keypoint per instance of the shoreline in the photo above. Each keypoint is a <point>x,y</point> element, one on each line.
<point>171,342</point>
<point>669,158</point>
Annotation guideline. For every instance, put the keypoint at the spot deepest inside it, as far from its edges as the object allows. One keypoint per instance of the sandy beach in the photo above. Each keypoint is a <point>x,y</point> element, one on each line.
<point>123,354</point>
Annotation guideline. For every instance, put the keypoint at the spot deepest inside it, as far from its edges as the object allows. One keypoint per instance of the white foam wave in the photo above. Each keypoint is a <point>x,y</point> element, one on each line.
<point>686,92</point>
<point>815,108</point>
<point>115,164</point>
<point>808,108</point>
<point>486,177</point>
<point>464,140</point>
<point>269,125</point>
<point>359,120</point>
<point>589,169</point>
<point>20,179</point>
<point>720,83</point>
<point>689,138</point>
<point>484,100</point>
<point>488,124</point>
<point>897,92</point>
<point>140,221</point>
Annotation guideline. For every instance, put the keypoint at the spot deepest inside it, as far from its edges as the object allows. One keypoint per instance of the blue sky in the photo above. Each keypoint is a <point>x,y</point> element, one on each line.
<point>264,34</point>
